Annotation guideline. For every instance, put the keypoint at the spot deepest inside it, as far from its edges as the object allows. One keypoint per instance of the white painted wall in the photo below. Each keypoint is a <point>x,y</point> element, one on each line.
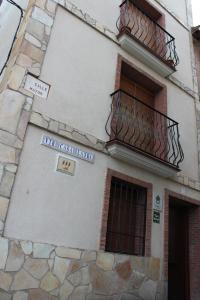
<point>183,48</point>
<point>108,13</point>
<point>81,72</point>
<point>178,8</point>
<point>57,208</point>
<point>195,11</point>
<point>66,210</point>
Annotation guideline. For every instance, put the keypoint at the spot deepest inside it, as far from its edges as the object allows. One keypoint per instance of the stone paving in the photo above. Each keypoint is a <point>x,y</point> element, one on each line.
<point>38,271</point>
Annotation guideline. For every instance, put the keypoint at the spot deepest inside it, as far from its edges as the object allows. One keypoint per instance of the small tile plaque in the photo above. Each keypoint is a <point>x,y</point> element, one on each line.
<point>66,165</point>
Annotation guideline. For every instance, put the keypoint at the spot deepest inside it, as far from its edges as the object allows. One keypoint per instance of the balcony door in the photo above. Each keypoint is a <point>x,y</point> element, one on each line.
<point>137,90</point>
<point>138,118</point>
<point>142,27</point>
<point>143,21</point>
<point>138,121</point>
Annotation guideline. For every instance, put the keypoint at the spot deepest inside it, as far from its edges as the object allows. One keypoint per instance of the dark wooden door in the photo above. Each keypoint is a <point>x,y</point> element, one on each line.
<point>138,125</point>
<point>137,91</point>
<point>142,19</point>
<point>178,272</point>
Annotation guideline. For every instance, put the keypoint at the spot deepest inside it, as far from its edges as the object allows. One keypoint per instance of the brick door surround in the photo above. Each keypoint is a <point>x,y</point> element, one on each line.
<point>194,241</point>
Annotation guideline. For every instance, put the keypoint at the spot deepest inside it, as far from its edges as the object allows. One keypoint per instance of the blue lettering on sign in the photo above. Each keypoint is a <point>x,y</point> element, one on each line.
<point>54,144</point>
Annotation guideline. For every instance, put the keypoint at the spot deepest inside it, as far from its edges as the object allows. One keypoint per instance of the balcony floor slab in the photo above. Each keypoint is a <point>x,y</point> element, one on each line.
<point>145,56</point>
<point>139,160</point>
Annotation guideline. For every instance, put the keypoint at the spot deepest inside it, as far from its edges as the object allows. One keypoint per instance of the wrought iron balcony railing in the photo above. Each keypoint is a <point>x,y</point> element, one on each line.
<point>138,25</point>
<point>142,128</point>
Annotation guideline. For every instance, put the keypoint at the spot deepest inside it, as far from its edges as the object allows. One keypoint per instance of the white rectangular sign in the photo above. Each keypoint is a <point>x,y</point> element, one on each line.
<point>158,203</point>
<point>36,86</point>
<point>71,150</point>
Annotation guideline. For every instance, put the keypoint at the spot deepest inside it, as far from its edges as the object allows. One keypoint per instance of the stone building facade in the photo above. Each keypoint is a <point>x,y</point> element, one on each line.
<point>99,194</point>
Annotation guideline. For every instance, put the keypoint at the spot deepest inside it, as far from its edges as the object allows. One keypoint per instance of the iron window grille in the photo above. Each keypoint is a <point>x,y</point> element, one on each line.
<point>126,218</point>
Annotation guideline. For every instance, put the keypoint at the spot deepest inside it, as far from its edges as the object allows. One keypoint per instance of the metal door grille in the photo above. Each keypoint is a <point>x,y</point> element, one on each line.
<point>126,218</point>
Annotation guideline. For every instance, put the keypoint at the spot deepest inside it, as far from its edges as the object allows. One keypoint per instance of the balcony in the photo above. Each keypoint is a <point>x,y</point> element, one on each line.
<point>145,39</point>
<point>143,136</point>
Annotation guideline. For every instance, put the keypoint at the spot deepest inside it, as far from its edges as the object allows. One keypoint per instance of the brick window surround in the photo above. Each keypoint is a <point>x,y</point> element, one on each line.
<point>148,186</point>
<point>194,241</point>
<point>160,100</point>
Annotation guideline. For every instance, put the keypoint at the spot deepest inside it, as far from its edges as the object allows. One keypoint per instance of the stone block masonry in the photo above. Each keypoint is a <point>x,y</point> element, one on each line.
<point>38,271</point>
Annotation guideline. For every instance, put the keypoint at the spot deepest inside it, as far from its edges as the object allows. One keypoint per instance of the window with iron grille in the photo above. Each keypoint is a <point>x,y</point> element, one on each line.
<point>126,218</point>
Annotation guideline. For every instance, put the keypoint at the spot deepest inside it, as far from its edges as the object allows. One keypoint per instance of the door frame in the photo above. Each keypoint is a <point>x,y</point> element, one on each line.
<point>194,242</point>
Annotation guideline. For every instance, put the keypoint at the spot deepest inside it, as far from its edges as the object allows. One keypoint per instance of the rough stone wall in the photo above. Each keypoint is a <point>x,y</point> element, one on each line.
<point>15,102</point>
<point>37,271</point>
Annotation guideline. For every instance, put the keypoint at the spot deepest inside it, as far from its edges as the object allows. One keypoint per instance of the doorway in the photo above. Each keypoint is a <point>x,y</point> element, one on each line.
<point>178,250</point>
<point>140,107</point>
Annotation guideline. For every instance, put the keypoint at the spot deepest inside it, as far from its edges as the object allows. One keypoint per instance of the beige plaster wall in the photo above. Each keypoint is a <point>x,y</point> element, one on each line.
<point>66,210</point>
<point>108,13</point>
<point>81,72</point>
<point>178,8</point>
<point>183,48</point>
